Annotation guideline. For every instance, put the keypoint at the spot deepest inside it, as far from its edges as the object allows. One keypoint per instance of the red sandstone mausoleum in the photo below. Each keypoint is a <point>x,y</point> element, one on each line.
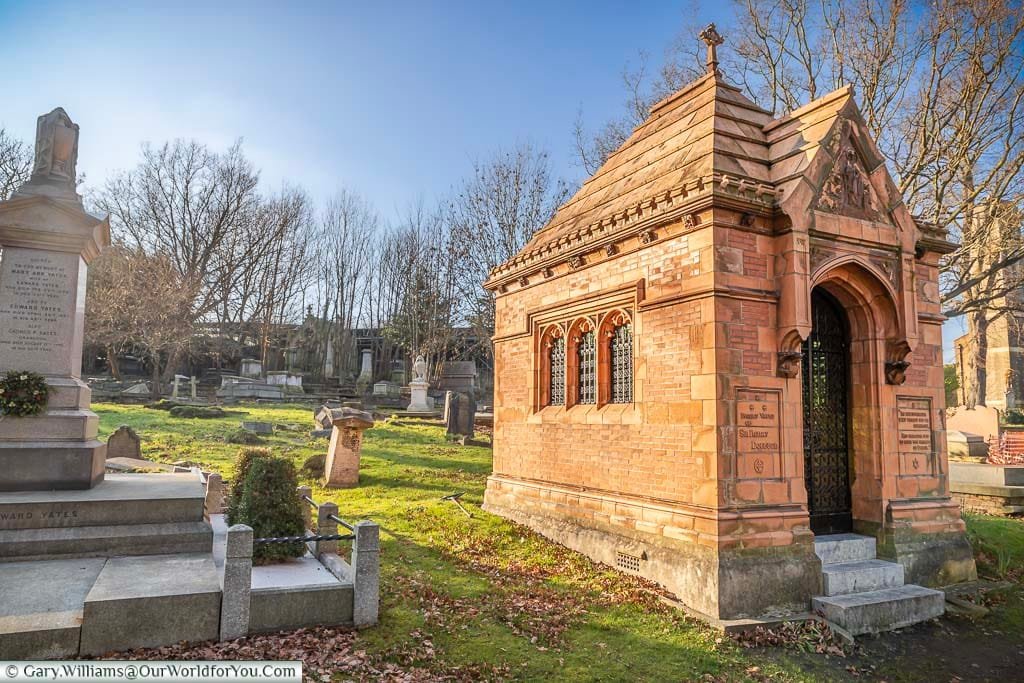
<point>725,347</point>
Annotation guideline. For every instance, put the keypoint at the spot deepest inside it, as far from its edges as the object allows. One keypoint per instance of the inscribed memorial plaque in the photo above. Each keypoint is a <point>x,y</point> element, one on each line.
<point>37,315</point>
<point>758,434</point>
<point>914,423</point>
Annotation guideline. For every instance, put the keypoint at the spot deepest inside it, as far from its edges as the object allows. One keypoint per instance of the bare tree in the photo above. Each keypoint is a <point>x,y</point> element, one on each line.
<point>342,255</point>
<point>941,87</point>
<point>497,210</point>
<point>15,164</point>
<point>138,302</point>
<point>195,208</point>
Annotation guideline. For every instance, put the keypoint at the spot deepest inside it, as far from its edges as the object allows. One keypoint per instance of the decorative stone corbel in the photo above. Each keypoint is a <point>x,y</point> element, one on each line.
<point>896,371</point>
<point>610,250</point>
<point>575,262</point>
<point>896,365</point>
<point>789,363</point>
<point>523,281</point>
<point>648,236</point>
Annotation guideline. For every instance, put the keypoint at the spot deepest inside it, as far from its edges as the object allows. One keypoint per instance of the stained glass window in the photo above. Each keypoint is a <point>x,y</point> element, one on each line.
<point>621,352</point>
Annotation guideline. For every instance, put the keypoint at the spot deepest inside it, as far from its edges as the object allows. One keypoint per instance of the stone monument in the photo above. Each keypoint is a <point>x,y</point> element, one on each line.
<point>459,413</point>
<point>47,241</point>
<point>418,387</point>
<point>342,467</point>
<point>365,379</point>
<point>124,443</point>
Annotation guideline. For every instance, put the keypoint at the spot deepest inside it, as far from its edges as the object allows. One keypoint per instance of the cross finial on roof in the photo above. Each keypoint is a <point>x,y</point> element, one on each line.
<point>713,39</point>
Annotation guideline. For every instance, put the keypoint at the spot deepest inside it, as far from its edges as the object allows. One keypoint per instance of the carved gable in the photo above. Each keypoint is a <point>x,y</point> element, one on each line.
<point>847,188</point>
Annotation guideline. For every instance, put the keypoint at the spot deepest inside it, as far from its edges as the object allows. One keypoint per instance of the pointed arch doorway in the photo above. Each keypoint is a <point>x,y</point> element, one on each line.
<point>826,409</point>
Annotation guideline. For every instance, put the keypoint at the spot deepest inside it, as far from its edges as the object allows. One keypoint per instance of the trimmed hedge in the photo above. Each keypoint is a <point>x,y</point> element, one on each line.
<point>242,465</point>
<point>271,507</point>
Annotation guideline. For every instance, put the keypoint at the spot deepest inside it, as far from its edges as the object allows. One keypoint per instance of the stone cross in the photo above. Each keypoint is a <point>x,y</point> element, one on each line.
<point>712,38</point>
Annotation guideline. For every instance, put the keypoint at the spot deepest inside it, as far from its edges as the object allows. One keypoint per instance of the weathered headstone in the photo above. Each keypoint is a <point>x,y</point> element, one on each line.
<point>124,443</point>
<point>258,427</point>
<point>459,375</point>
<point>365,379</point>
<point>459,413</point>
<point>342,467</point>
<point>251,367</point>
<point>47,241</point>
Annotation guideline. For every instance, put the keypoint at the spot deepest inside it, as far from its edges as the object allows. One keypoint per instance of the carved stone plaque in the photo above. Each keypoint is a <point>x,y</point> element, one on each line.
<point>914,423</point>
<point>758,434</point>
<point>38,310</point>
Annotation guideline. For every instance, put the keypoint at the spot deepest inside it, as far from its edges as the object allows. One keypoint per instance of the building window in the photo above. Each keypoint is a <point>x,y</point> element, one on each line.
<point>621,352</point>
<point>586,351</point>
<point>557,372</point>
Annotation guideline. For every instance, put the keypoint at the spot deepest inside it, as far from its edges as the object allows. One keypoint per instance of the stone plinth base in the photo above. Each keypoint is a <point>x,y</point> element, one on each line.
<point>990,499</point>
<point>418,395</point>
<point>928,537</point>
<point>51,465</point>
<point>719,583</point>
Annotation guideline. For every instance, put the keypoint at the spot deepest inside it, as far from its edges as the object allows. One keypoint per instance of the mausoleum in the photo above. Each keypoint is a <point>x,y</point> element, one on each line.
<point>719,366</point>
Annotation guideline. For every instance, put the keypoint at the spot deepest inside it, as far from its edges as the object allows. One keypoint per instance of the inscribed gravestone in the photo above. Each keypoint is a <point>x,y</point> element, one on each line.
<point>124,443</point>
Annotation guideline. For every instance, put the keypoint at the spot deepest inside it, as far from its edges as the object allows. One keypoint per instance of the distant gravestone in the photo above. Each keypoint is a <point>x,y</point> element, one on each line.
<point>459,413</point>
<point>258,427</point>
<point>124,443</point>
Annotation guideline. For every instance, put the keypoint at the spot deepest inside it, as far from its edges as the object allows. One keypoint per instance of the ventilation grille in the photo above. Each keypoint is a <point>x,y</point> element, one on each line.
<point>627,562</point>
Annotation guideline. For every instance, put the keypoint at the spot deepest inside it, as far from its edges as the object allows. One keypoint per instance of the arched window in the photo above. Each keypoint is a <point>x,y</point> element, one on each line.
<point>621,359</point>
<point>586,364</point>
<point>556,372</point>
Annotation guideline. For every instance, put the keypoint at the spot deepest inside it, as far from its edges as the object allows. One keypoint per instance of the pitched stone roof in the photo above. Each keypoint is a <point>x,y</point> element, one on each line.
<point>706,139</point>
<point>707,127</point>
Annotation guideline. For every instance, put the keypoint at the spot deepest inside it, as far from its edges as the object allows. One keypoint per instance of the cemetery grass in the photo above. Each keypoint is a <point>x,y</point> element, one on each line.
<point>482,598</point>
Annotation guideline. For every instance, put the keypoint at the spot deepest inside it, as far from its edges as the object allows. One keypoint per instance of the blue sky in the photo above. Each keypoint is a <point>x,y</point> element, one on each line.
<point>392,99</point>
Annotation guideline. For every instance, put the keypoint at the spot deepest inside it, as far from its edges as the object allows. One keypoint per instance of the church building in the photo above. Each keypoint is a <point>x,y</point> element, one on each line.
<point>719,366</point>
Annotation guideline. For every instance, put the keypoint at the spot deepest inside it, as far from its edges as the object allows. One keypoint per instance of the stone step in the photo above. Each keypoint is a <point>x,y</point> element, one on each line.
<point>881,610</point>
<point>836,548</point>
<point>118,499</point>
<point>842,578</point>
<point>41,607</point>
<point>105,541</point>
<point>151,601</point>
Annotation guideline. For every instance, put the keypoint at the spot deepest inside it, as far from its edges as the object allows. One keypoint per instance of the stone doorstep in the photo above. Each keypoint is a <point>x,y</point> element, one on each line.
<point>837,548</point>
<point>41,609</point>
<point>151,601</point>
<point>842,578</point>
<point>881,610</point>
<point>105,541</point>
<point>118,499</point>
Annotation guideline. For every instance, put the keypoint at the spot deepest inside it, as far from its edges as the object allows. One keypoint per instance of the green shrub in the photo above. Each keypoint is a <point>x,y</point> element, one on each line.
<point>314,465</point>
<point>1013,417</point>
<point>242,464</point>
<point>270,506</point>
<point>163,404</point>
<point>197,411</point>
<point>243,437</point>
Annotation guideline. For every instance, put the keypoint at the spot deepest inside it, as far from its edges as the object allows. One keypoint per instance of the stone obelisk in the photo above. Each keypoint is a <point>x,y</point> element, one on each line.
<point>47,240</point>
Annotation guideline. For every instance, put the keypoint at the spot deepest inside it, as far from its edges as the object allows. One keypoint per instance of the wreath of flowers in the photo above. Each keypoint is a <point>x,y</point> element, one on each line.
<point>23,393</point>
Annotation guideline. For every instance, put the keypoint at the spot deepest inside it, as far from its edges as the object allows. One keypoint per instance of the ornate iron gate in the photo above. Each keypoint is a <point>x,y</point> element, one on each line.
<point>826,393</point>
